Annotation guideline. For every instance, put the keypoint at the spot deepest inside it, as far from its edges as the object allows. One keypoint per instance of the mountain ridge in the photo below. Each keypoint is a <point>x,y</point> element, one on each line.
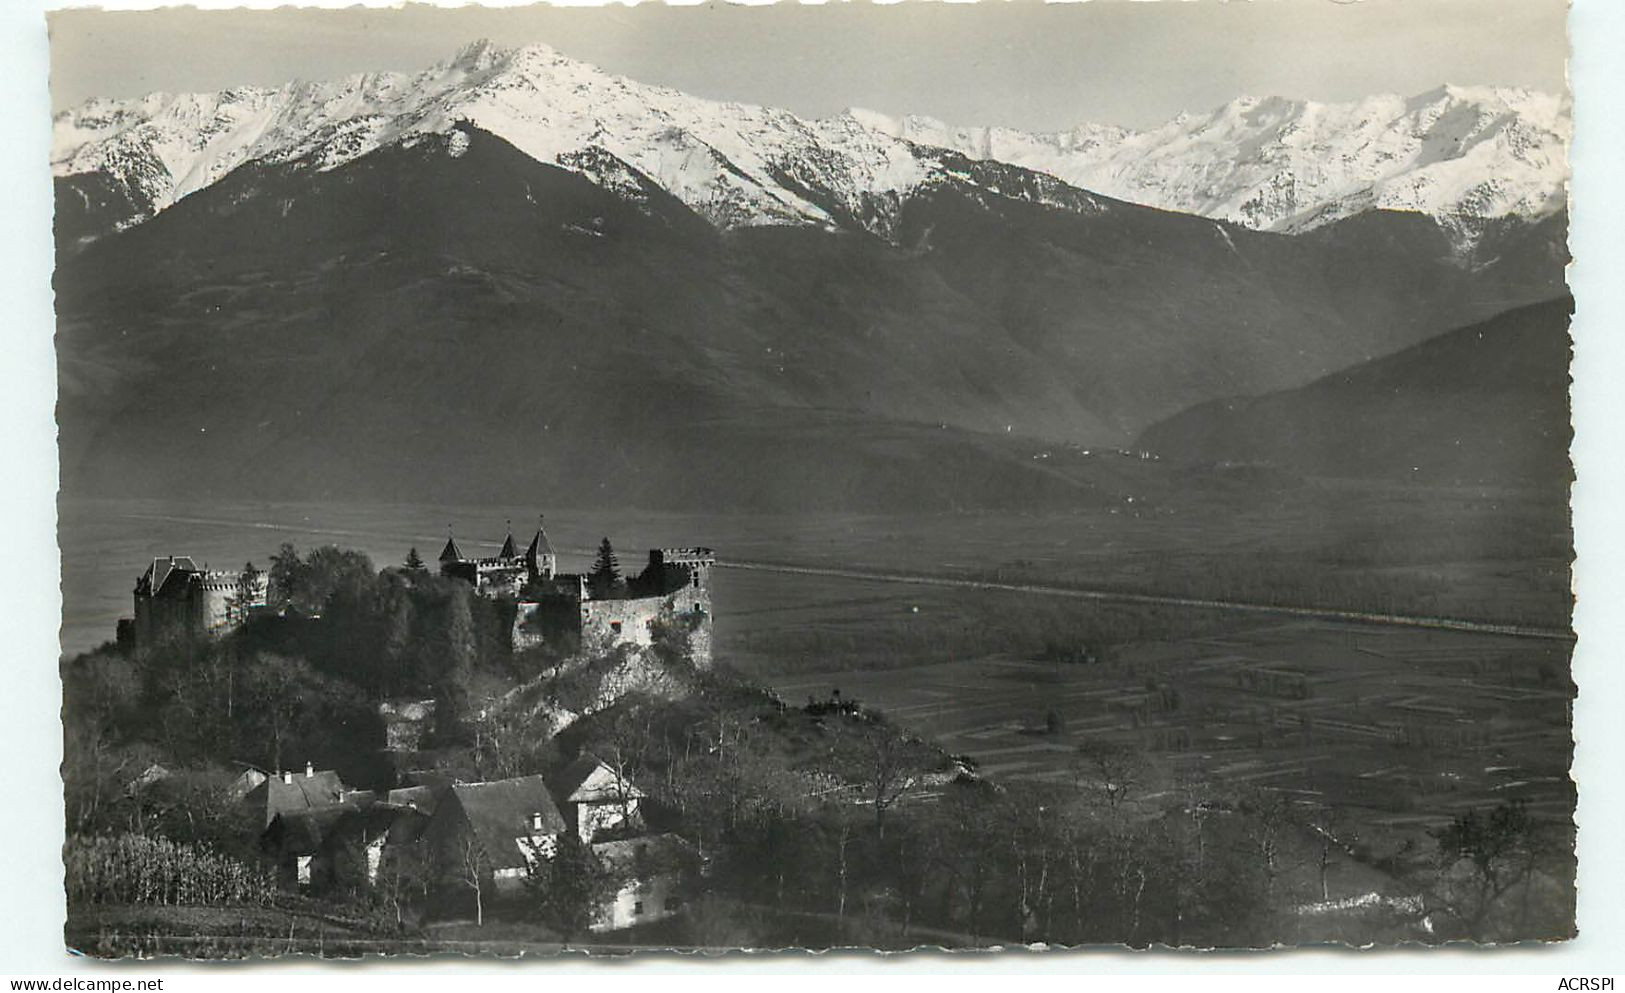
<point>454,319</point>
<point>1462,155</point>
<point>1256,162</point>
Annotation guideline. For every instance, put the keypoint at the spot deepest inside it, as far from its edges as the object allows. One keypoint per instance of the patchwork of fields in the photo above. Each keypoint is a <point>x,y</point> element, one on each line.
<point>1409,727</point>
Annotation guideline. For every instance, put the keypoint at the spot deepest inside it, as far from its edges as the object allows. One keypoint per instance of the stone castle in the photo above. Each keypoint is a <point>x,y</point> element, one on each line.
<point>675,587</point>
<point>176,598</point>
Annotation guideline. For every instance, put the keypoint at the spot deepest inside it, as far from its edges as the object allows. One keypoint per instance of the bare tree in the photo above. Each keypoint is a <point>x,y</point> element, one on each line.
<point>891,762</point>
<point>626,753</point>
<point>472,864</point>
<point>1111,769</point>
<point>403,877</point>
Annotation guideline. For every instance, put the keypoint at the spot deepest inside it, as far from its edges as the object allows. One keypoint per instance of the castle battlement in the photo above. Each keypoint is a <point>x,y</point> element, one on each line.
<point>696,554</point>
<point>177,598</point>
<point>675,586</point>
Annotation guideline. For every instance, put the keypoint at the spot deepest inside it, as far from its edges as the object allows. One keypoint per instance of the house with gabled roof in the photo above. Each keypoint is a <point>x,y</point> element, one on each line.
<point>339,844</point>
<point>289,791</point>
<point>497,829</point>
<point>596,799</point>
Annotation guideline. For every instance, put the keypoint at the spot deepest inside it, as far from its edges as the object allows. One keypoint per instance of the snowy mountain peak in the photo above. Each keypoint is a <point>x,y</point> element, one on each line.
<point>1461,154</point>
<point>1464,155</point>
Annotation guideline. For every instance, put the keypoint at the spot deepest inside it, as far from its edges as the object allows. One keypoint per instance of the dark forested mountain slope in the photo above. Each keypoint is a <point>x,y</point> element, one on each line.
<point>453,319</point>
<point>1484,404</point>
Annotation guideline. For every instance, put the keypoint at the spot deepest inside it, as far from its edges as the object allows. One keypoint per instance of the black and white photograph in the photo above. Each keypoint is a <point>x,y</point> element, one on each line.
<point>548,480</point>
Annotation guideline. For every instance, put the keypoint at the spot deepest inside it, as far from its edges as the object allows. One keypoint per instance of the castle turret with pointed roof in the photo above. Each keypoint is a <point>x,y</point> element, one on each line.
<point>503,574</point>
<point>540,558</point>
<point>451,553</point>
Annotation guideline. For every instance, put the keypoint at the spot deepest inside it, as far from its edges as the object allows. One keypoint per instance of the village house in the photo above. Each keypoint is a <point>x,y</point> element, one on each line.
<point>651,876</point>
<point>491,833</point>
<point>288,791</point>
<point>596,800</point>
<point>481,837</point>
<point>340,845</point>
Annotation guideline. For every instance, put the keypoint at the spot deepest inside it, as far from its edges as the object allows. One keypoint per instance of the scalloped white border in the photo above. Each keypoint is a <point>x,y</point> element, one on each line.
<point>31,902</point>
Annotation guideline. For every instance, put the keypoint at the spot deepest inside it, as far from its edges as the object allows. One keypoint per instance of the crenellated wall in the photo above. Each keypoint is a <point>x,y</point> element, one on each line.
<point>194,603</point>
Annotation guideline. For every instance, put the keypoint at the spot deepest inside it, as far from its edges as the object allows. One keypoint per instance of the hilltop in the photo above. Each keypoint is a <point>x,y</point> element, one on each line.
<point>1484,404</point>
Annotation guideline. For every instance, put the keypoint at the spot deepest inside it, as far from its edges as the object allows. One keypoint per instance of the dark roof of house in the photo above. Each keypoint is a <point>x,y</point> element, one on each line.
<point>500,811</point>
<point>304,792</point>
<point>423,798</point>
<point>640,858</point>
<point>302,832</point>
<point>570,785</point>
<point>451,552</point>
<point>406,825</point>
<point>438,778</point>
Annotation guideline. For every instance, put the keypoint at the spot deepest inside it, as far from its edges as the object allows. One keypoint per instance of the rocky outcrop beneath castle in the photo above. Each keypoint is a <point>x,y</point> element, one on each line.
<point>585,684</point>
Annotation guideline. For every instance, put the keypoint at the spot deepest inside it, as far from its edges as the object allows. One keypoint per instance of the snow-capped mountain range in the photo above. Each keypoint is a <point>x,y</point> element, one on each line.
<point>1462,156</point>
<point>1457,154</point>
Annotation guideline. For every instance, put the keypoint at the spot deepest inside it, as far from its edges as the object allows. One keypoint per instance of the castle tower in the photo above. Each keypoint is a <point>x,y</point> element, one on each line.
<point>540,559</point>
<point>451,553</point>
<point>509,550</point>
<point>696,562</point>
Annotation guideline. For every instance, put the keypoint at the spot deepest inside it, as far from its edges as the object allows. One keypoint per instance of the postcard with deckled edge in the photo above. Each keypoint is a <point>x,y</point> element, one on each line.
<point>928,476</point>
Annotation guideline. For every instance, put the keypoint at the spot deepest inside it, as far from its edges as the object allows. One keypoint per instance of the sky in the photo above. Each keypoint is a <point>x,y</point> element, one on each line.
<point>1011,62</point>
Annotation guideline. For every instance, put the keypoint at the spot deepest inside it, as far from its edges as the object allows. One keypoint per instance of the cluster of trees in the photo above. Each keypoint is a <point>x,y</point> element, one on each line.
<point>391,632</point>
<point>833,813</point>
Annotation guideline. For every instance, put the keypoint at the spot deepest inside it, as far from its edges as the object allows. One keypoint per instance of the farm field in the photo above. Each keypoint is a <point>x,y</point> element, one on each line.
<point>1408,727</point>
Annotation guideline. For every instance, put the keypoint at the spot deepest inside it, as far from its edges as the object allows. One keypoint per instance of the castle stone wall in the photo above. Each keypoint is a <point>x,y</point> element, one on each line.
<point>620,622</point>
<point>201,603</point>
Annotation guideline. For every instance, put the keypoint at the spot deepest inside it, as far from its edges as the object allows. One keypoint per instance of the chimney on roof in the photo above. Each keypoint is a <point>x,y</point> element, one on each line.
<point>536,821</point>
<point>287,775</point>
<point>310,770</point>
